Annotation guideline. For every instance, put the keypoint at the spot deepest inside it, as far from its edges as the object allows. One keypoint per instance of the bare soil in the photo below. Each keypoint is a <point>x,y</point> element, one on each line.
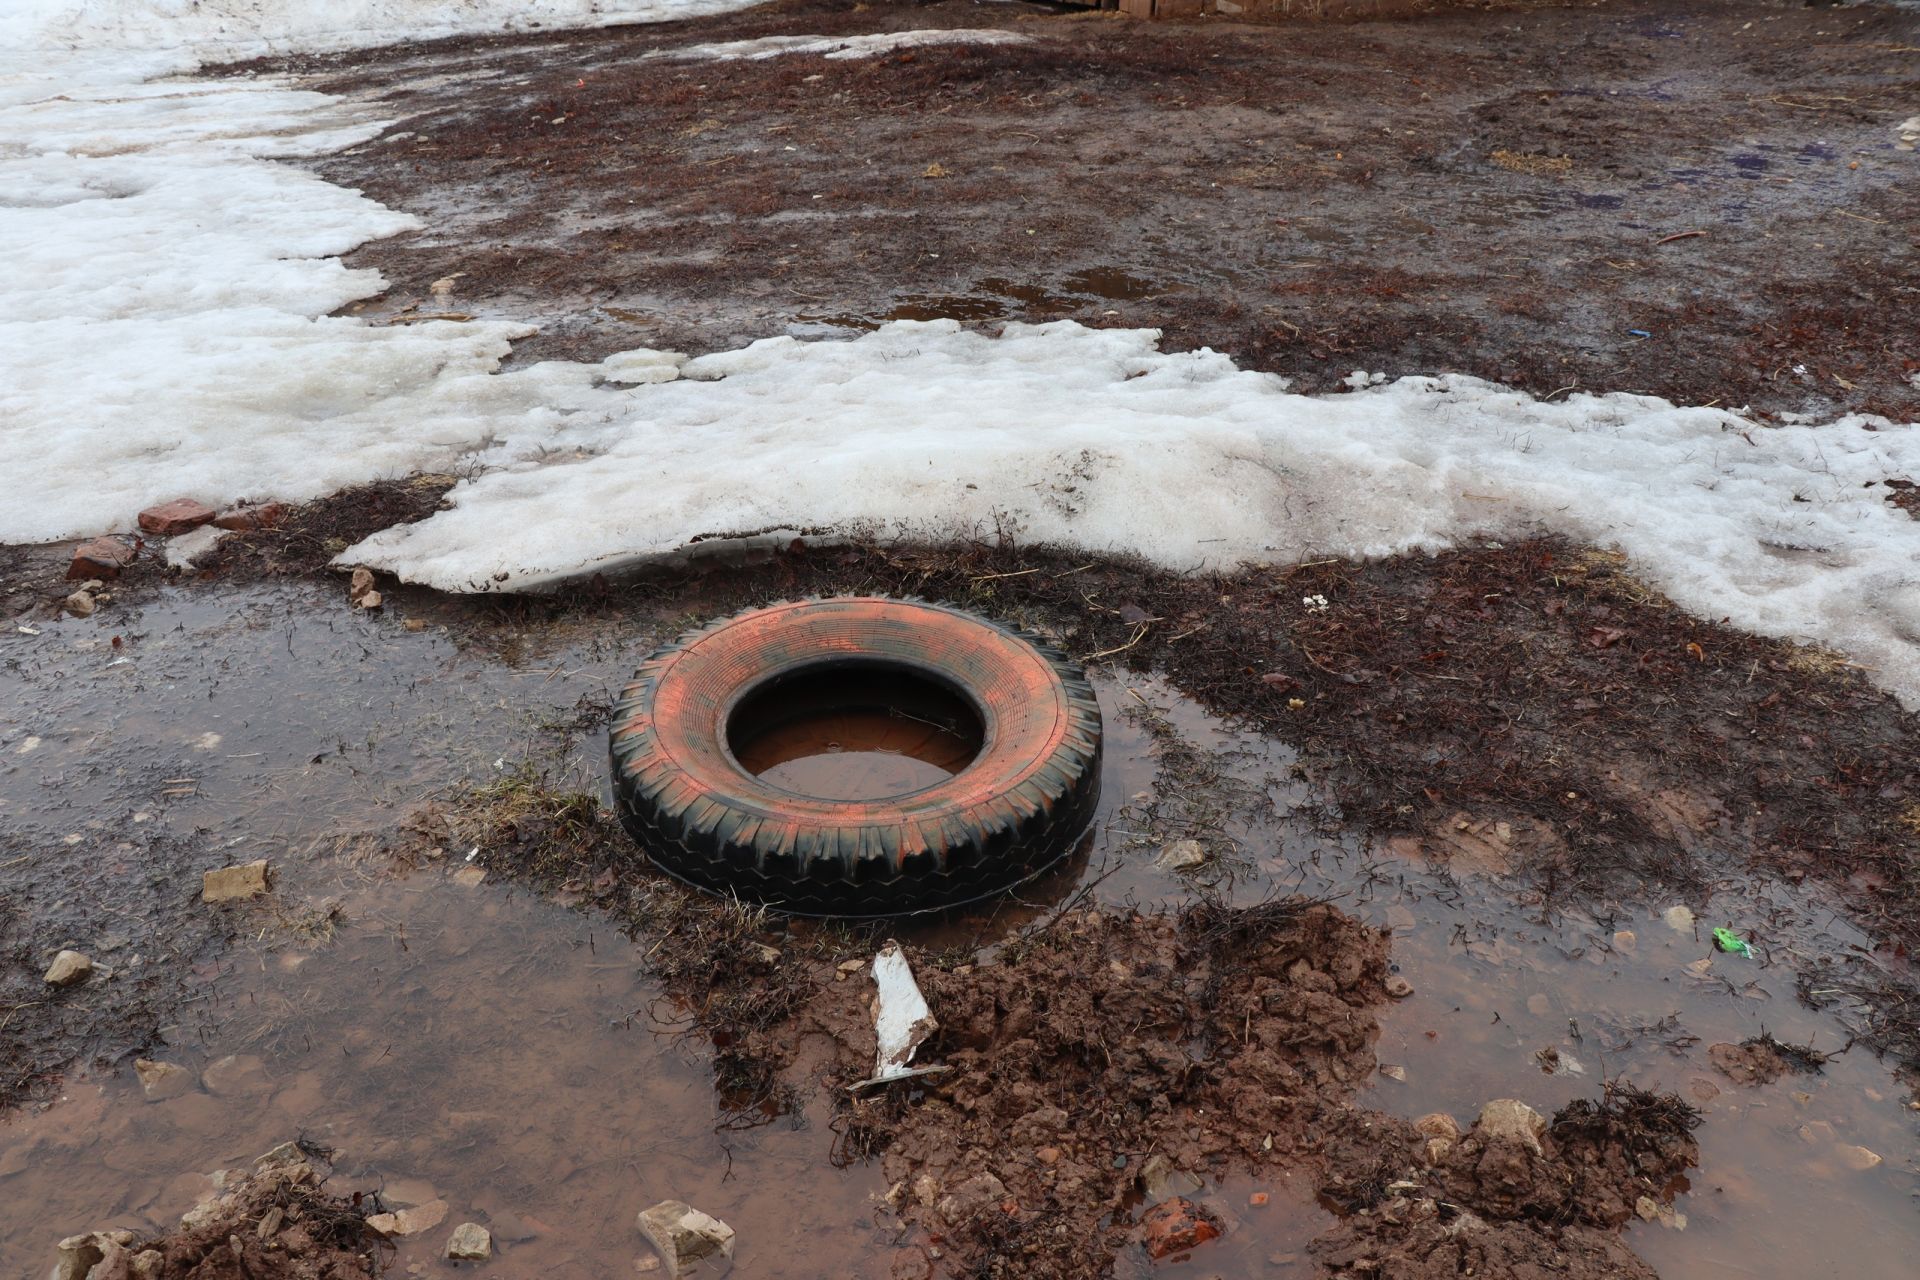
<point>274,1221</point>
<point>1698,200</point>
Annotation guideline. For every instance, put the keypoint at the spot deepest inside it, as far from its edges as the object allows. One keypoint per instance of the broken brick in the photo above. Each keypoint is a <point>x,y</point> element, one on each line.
<point>1175,1226</point>
<point>263,515</point>
<point>100,558</point>
<point>182,515</point>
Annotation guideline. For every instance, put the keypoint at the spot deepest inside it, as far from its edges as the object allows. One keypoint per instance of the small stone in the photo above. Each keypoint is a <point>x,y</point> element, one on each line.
<point>1047,1155</point>
<point>186,550</point>
<point>415,624</point>
<point>1160,1179</point>
<point>162,1080</point>
<point>233,884</point>
<point>264,515</point>
<point>410,1222</point>
<point>649,1263</point>
<point>847,968</point>
<point>79,604</point>
<point>77,1256</point>
<point>470,877</point>
<point>1393,1071</point>
<point>470,1242</point>
<point>1511,1120</point>
<point>978,1194</point>
<point>360,586</point>
<point>370,601</point>
<point>1438,1124</point>
<point>1176,1226</point>
<point>100,558</point>
<point>1398,987</point>
<point>236,1075</point>
<point>1624,941</point>
<point>271,1222</point>
<point>1679,919</point>
<point>283,1156</point>
<point>1437,1150</point>
<point>1859,1159</point>
<point>182,515</point>
<point>148,1263</point>
<point>1259,1200</point>
<point>1182,855</point>
<point>68,968</point>
<point>683,1235</point>
<point>1647,1207</point>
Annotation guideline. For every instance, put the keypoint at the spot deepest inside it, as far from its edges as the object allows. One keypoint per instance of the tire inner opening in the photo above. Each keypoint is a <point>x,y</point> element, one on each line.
<point>855,730</point>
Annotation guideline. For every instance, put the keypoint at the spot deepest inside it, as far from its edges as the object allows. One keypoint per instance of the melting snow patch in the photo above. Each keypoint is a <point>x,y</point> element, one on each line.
<point>1095,438</point>
<point>835,47</point>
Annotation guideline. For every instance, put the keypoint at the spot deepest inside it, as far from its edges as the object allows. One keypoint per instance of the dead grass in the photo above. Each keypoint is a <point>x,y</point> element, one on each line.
<point>1533,164</point>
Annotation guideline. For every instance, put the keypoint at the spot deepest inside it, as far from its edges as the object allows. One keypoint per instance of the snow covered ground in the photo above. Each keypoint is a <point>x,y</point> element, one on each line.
<point>165,331</point>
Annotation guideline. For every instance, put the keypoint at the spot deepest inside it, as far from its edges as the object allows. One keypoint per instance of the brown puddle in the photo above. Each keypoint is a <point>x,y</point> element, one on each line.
<point>854,734</point>
<point>470,1043</point>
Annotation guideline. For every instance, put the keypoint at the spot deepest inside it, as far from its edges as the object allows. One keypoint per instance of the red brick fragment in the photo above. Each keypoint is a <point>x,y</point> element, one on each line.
<point>264,515</point>
<point>179,516</point>
<point>100,558</point>
<point>1175,1226</point>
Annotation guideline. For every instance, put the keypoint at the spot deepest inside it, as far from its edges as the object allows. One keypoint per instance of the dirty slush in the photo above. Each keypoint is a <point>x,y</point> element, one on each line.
<point>1479,913</point>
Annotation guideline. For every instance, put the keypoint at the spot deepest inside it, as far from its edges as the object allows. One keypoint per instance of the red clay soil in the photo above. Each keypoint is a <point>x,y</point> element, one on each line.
<point>1700,199</point>
<point>271,1222</point>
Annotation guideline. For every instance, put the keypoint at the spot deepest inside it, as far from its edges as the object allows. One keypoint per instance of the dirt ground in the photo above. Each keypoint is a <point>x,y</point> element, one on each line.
<point>1412,196</point>
<point>1699,200</point>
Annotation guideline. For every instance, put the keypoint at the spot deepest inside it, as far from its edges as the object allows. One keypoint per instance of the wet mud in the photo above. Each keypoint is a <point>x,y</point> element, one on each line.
<point>1703,201</point>
<point>547,1064</point>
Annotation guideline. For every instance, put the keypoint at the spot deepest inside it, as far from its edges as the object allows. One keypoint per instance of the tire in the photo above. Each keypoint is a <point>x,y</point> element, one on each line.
<point>1022,803</point>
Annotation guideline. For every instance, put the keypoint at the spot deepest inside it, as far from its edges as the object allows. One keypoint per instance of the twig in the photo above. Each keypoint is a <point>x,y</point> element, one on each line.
<point>1679,235</point>
<point>1139,634</point>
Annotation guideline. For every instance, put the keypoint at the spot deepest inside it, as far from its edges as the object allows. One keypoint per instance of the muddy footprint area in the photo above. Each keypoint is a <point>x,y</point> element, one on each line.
<point>1361,971</point>
<point>1699,201</point>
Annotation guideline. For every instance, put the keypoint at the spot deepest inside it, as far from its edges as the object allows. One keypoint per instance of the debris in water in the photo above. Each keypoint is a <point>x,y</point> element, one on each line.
<point>684,1235</point>
<point>162,1080</point>
<point>1176,1226</point>
<point>901,1019</point>
<point>470,1242</point>
<point>233,884</point>
<point>1679,919</point>
<point>1729,941</point>
<point>1182,855</point>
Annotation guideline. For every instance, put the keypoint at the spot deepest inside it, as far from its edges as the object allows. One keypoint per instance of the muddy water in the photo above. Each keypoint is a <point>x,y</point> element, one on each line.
<point>1499,979</point>
<point>464,1042</point>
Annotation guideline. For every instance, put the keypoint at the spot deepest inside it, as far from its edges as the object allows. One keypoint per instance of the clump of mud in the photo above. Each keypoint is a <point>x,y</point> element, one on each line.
<point>1104,1041</point>
<point>1517,1193</point>
<point>1763,1059</point>
<point>271,1222</point>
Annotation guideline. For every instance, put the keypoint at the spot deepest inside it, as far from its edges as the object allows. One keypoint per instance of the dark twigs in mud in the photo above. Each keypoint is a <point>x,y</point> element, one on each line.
<point>309,536</point>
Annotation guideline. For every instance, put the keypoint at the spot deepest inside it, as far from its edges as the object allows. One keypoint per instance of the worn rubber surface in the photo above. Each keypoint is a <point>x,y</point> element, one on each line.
<point>1023,802</point>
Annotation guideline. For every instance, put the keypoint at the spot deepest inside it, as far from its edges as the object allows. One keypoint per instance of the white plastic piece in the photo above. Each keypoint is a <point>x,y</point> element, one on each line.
<point>901,1018</point>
